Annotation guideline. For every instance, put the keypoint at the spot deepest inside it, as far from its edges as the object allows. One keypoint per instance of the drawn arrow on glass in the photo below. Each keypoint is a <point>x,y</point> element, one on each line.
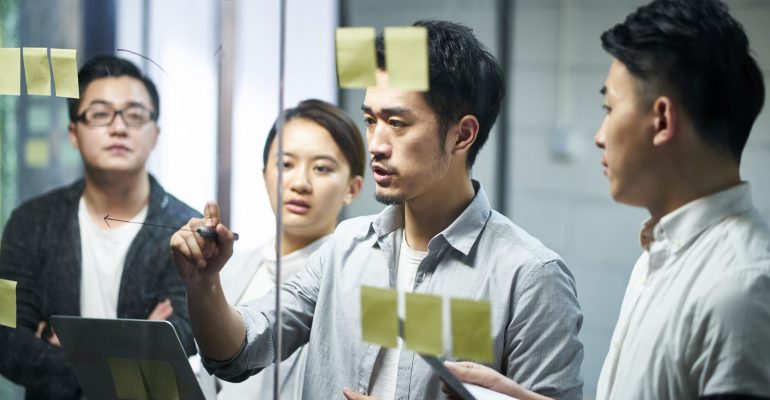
<point>203,231</point>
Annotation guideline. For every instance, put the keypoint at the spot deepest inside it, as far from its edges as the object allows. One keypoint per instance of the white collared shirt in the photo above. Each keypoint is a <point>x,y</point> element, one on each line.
<point>695,318</point>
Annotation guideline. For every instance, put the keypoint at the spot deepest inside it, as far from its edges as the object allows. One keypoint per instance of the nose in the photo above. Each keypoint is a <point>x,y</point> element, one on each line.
<point>299,180</point>
<point>379,145</point>
<point>600,135</point>
<point>118,125</point>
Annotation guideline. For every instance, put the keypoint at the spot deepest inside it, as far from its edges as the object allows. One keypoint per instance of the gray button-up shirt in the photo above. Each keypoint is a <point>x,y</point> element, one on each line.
<point>481,255</point>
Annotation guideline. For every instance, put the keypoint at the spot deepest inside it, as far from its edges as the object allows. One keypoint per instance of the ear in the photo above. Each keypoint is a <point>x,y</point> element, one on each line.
<point>354,188</point>
<point>468,130</point>
<point>155,139</point>
<point>73,135</point>
<point>664,120</point>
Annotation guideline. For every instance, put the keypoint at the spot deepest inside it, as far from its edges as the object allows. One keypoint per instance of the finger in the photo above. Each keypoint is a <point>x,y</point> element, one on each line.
<point>40,328</point>
<point>351,394</point>
<point>54,339</point>
<point>211,214</point>
<point>162,312</point>
<point>225,239</point>
<point>193,249</point>
<point>468,372</point>
<point>461,364</point>
<point>179,250</point>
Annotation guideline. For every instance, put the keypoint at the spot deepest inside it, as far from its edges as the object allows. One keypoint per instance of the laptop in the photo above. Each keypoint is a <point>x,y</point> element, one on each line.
<point>126,358</point>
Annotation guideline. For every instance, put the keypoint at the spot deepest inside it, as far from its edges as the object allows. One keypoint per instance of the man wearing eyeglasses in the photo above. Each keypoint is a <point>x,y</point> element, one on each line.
<point>63,255</point>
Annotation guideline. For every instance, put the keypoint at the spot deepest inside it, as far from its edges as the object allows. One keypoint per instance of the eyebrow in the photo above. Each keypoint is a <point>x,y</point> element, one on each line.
<point>391,111</point>
<point>318,157</point>
<point>129,104</point>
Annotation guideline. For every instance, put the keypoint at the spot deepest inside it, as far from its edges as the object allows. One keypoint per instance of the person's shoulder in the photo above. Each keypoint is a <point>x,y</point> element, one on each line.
<point>180,208</point>
<point>166,206</point>
<point>740,299</point>
<point>747,235</point>
<point>49,202</point>
<point>355,226</point>
<point>513,238</point>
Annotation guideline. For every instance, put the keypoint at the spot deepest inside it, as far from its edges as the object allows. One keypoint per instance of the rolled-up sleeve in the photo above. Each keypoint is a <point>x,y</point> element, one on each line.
<point>544,353</point>
<point>298,299</point>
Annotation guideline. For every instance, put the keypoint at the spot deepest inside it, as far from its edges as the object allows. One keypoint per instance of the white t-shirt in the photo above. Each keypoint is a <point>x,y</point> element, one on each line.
<point>103,251</point>
<point>384,379</point>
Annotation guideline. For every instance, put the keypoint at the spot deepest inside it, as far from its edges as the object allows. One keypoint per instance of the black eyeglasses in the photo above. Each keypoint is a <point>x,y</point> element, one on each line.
<point>103,114</point>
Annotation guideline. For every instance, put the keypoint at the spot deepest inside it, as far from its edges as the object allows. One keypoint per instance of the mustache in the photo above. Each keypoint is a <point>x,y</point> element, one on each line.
<point>382,164</point>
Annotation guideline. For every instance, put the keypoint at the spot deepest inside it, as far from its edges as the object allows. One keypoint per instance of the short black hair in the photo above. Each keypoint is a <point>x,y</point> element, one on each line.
<point>108,66</point>
<point>342,128</point>
<point>465,79</point>
<point>695,52</point>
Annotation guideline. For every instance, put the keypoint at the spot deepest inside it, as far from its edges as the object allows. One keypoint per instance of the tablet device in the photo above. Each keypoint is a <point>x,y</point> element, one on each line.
<point>448,377</point>
<point>92,346</point>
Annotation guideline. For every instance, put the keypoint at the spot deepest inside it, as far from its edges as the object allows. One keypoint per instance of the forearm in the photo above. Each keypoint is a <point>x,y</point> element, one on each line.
<point>36,365</point>
<point>218,328</point>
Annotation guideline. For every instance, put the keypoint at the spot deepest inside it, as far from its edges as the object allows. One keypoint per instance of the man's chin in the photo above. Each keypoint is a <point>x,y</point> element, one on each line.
<point>388,198</point>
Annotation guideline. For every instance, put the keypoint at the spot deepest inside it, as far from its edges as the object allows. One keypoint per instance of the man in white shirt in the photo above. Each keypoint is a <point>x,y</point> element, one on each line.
<point>681,96</point>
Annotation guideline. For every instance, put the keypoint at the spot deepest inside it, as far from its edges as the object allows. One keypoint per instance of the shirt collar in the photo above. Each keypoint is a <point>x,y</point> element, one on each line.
<point>460,234</point>
<point>685,223</point>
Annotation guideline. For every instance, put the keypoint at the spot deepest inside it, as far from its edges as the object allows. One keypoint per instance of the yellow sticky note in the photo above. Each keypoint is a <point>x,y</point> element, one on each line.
<point>10,78</point>
<point>471,330</point>
<point>36,71</point>
<point>127,378</point>
<point>65,73</point>
<point>8,303</point>
<point>423,327</point>
<point>161,379</point>
<point>379,316</point>
<point>406,57</point>
<point>37,153</point>
<point>356,59</point>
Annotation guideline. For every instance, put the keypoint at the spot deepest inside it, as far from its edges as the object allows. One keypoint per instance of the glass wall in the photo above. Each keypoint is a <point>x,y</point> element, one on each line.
<point>216,66</point>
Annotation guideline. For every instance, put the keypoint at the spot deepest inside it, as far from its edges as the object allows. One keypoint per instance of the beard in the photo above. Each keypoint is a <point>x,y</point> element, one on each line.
<point>389,200</point>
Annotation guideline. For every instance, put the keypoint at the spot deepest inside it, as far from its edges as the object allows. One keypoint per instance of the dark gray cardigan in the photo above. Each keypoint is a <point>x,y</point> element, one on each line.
<point>41,251</point>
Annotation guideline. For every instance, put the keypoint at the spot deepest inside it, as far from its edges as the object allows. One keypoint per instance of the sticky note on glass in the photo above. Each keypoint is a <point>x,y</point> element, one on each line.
<point>471,330</point>
<point>65,73</point>
<point>423,327</point>
<point>379,316</point>
<point>161,379</point>
<point>36,71</point>
<point>127,378</point>
<point>8,303</point>
<point>10,78</point>
<point>37,153</point>
<point>406,57</point>
<point>356,59</point>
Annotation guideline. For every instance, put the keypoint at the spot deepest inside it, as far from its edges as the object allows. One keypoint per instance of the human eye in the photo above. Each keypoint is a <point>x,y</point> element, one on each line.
<point>396,123</point>
<point>369,121</point>
<point>323,169</point>
<point>99,113</point>
<point>136,115</point>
